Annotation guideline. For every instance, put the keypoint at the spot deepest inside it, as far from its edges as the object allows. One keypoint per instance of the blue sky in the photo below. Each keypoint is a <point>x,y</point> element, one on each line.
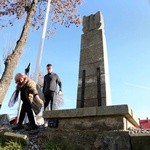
<point>127,30</point>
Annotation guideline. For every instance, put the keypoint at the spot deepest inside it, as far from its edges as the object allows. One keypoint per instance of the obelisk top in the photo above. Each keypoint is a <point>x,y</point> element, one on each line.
<point>92,22</point>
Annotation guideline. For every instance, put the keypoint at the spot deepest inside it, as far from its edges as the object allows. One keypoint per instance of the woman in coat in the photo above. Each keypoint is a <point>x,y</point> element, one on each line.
<point>29,96</point>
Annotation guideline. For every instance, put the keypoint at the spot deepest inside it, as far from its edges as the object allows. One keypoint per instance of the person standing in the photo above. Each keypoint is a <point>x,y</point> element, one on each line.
<point>51,80</point>
<point>29,93</point>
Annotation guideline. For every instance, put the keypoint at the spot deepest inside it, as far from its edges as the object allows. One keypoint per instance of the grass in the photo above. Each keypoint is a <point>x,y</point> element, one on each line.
<point>10,145</point>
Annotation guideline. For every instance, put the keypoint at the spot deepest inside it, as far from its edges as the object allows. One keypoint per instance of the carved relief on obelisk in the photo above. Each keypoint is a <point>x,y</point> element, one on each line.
<point>93,84</point>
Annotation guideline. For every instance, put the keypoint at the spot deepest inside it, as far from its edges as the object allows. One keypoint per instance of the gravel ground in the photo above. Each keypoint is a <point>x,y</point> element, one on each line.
<point>32,136</point>
<point>138,131</point>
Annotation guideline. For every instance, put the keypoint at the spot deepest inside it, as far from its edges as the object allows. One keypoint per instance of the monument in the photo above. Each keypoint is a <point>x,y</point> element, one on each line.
<point>95,123</point>
<point>93,86</point>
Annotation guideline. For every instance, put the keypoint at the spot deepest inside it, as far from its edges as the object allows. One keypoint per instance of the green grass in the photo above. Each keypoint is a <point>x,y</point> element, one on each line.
<point>10,145</point>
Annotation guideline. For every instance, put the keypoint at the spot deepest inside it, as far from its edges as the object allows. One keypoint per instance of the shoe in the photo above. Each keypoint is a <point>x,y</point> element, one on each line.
<point>32,127</point>
<point>18,127</point>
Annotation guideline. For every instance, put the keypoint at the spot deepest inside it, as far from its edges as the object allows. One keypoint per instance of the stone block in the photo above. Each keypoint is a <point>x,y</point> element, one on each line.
<point>16,137</point>
<point>89,81</point>
<point>87,39</point>
<point>87,140</point>
<point>90,56</point>
<point>92,123</point>
<point>92,22</point>
<point>119,113</point>
<point>90,102</point>
<point>140,142</point>
<point>91,69</point>
<point>94,102</point>
<point>97,49</point>
<point>123,110</point>
<point>91,92</point>
<point>91,97</point>
<point>92,81</point>
<point>70,113</point>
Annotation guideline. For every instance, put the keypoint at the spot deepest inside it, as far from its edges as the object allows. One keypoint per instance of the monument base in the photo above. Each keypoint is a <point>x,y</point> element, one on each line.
<point>103,118</point>
<point>90,128</point>
<point>85,140</point>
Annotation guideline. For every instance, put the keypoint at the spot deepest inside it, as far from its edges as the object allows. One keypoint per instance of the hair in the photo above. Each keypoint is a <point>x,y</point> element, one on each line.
<point>20,75</point>
<point>48,65</point>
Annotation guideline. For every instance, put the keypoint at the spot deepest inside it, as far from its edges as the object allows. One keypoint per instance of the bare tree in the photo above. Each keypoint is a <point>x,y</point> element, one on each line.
<point>62,11</point>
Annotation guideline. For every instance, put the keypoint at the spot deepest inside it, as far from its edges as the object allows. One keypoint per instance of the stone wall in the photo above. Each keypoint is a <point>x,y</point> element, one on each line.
<point>87,140</point>
<point>91,128</point>
<point>132,139</point>
<point>103,118</point>
<point>140,139</point>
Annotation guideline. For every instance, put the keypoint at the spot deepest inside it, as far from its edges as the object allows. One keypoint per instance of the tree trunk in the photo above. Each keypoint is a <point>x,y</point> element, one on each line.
<point>12,59</point>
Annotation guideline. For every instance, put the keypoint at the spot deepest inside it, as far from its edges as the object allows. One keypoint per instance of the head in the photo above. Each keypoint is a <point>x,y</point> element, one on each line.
<point>49,68</point>
<point>20,78</point>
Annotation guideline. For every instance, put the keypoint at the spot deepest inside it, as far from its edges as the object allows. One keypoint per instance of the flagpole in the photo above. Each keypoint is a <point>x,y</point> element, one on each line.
<point>40,52</point>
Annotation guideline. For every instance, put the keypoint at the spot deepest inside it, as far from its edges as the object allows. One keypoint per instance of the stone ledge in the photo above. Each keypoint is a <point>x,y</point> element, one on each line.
<point>140,141</point>
<point>102,111</point>
<point>16,137</point>
<point>140,135</point>
<point>88,140</point>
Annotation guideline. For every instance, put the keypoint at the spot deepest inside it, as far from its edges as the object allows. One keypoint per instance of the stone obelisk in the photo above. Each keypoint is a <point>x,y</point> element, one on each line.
<point>93,84</point>
<point>107,127</point>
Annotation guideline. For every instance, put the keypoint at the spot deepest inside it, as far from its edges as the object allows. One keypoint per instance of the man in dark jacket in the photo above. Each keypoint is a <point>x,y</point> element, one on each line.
<point>51,80</point>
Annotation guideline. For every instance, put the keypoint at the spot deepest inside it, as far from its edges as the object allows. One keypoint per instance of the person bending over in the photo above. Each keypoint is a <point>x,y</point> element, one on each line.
<point>28,92</point>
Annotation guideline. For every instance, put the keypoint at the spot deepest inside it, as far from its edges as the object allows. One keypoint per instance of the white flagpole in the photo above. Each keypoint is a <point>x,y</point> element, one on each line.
<point>40,52</point>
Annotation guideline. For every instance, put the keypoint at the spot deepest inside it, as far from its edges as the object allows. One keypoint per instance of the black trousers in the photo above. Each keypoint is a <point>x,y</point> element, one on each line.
<point>49,98</point>
<point>26,108</point>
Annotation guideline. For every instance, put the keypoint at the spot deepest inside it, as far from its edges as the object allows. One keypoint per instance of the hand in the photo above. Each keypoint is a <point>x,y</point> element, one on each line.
<point>59,92</point>
<point>41,102</point>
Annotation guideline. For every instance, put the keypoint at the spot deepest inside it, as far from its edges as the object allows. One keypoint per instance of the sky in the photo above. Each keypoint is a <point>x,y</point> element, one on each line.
<point>127,31</point>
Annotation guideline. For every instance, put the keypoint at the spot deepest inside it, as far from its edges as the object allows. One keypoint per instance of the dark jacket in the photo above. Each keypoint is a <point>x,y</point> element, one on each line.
<point>50,82</point>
